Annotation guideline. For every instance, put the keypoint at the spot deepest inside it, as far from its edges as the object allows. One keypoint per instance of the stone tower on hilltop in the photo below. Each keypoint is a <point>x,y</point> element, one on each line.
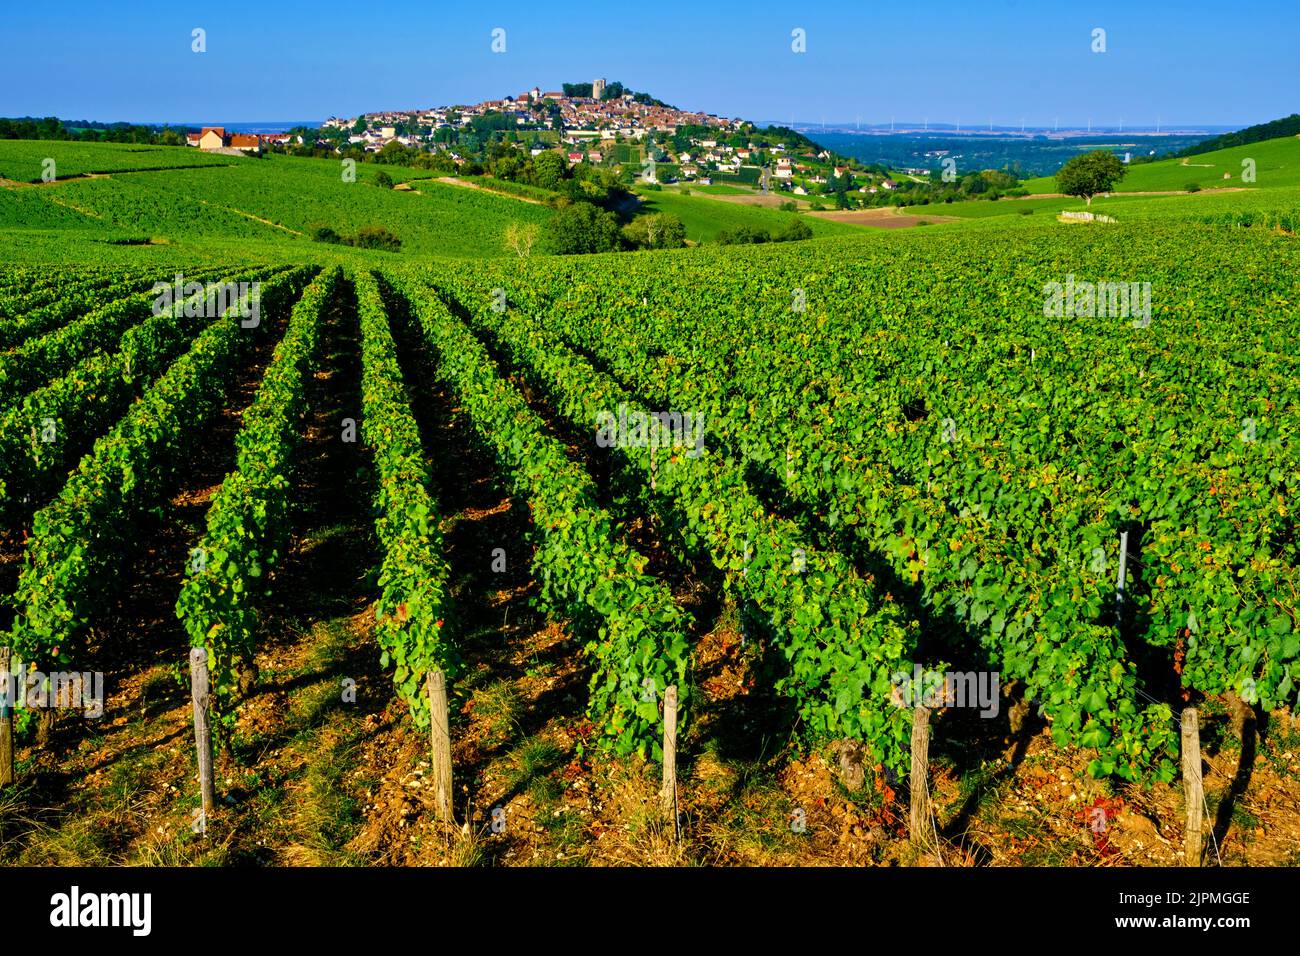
<point>597,89</point>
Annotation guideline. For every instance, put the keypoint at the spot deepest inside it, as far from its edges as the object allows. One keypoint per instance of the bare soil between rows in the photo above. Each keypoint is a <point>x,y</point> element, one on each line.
<point>326,768</point>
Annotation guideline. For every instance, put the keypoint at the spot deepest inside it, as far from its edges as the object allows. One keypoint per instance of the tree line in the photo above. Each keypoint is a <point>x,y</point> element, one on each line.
<point>89,131</point>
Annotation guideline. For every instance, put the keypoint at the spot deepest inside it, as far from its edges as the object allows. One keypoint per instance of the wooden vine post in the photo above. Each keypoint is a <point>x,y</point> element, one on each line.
<point>1121,577</point>
<point>9,692</point>
<point>440,739</point>
<point>45,715</point>
<point>1193,786</point>
<point>919,785</point>
<point>202,700</point>
<point>668,793</point>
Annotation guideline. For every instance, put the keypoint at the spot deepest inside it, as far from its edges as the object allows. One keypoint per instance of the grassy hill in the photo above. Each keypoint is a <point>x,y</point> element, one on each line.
<point>24,160</point>
<point>187,198</point>
<point>1121,206</point>
<point>1277,187</point>
<point>1275,129</point>
<point>904,403</point>
<point>1277,164</point>
<point>704,217</point>
<point>124,203</point>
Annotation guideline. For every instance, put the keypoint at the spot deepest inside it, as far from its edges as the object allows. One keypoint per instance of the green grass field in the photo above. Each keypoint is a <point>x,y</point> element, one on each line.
<point>1046,207</point>
<point>24,160</point>
<point>704,218</point>
<point>273,198</point>
<point>1189,205</point>
<point>1277,186</point>
<point>898,406</point>
<point>151,195</point>
<point>147,204</point>
<point>513,189</point>
<point>1277,164</point>
<point>716,189</point>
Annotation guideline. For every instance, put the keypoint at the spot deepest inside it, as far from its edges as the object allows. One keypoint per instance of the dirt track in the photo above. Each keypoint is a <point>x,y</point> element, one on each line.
<point>885,217</point>
<point>453,181</point>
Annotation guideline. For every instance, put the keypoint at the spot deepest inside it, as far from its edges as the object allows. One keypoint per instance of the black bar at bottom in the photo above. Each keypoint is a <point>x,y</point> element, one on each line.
<point>434,907</point>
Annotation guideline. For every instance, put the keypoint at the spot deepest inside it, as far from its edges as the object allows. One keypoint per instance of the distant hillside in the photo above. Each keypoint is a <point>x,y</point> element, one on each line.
<point>190,199</point>
<point>1288,126</point>
<point>1276,164</point>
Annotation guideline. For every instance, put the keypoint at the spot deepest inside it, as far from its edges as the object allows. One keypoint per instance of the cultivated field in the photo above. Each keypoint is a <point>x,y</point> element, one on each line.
<point>956,450</point>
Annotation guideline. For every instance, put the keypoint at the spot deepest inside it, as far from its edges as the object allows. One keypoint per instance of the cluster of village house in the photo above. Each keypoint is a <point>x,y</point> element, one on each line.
<point>583,117</point>
<point>592,125</point>
<point>215,139</point>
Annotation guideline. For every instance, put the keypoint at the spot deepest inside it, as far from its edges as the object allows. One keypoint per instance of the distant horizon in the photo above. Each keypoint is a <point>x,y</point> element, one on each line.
<point>873,127</point>
<point>999,63</point>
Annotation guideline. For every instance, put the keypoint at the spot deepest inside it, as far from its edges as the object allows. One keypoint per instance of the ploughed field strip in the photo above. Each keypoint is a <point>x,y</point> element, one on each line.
<point>1037,467</point>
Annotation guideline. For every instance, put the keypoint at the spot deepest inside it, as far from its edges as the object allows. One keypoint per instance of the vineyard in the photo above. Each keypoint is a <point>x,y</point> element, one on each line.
<point>700,509</point>
<point>276,199</point>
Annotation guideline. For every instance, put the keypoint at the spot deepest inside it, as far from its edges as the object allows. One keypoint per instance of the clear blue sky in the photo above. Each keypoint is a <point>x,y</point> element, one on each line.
<point>1224,62</point>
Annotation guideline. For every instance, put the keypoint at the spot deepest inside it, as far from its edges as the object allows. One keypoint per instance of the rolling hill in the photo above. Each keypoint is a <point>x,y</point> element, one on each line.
<point>188,198</point>
<point>1277,164</point>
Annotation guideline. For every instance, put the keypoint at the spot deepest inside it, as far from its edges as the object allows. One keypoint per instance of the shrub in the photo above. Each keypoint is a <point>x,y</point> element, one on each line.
<point>368,237</point>
<point>1193,187</point>
<point>793,231</point>
<point>383,180</point>
<point>325,234</point>
<point>655,231</point>
<point>580,228</point>
<point>742,236</point>
<point>375,237</point>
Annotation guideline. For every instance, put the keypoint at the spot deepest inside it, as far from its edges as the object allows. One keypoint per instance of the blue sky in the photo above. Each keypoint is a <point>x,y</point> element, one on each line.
<point>1193,62</point>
